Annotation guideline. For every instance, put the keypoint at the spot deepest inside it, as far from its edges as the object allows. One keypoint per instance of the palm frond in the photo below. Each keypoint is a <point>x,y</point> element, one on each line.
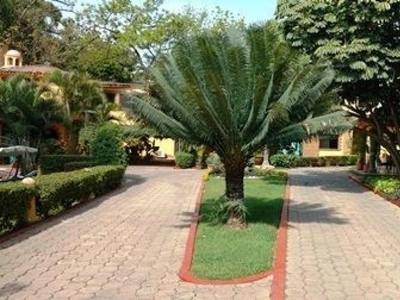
<point>234,90</point>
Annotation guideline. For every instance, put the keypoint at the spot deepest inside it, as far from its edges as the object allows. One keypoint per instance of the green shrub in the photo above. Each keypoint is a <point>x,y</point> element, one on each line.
<point>291,161</point>
<point>184,160</point>
<point>284,160</point>
<point>14,197</point>
<point>62,190</point>
<point>107,148</point>
<point>77,165</point>
<point>351,160</point>
<point>214,163</point>
<point>269,173</point>
<point>56,163</point>
<point>389,186</point>
<point>86,137</point>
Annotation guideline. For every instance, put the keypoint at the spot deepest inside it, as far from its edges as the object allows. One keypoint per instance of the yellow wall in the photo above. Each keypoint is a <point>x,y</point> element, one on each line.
<point>311,147</point>
<point>167,146</point>
<point>330,153</point>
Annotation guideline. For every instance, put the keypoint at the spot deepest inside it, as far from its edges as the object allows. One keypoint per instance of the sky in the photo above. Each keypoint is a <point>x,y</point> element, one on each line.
<point>251,10</point>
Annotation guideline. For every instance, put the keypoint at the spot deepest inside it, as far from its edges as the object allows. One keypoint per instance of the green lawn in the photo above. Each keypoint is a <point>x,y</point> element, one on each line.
<point>225,253</point>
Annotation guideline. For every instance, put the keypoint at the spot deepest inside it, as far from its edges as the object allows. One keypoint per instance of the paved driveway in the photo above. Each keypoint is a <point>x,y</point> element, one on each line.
<point>343,241</point>
<point>126,245</point>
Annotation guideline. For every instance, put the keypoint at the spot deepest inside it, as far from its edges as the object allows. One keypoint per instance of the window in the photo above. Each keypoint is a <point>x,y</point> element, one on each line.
<point>329,142</point>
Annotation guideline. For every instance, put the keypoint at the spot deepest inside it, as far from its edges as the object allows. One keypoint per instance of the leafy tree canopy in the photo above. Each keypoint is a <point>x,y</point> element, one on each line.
<point>146,30</point>
<point>32,26</point>
<point>361,40</point>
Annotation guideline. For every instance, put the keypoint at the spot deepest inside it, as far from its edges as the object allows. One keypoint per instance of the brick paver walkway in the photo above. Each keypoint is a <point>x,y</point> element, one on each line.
<point>126,245</point>
<point>343,241</point>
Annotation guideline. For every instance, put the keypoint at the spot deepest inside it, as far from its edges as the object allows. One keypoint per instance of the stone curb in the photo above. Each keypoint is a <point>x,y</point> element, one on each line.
<point>278,272</point>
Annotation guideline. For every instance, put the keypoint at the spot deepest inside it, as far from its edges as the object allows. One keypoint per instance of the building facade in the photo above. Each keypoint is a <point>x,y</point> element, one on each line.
<point>328,145</point>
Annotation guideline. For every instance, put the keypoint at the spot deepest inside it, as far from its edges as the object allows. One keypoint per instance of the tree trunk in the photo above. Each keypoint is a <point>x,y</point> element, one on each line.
<point>395,156</point>
<point>73,139</point>
<point>234,183</point>
<point>359,147</point>
<point>373,156</point>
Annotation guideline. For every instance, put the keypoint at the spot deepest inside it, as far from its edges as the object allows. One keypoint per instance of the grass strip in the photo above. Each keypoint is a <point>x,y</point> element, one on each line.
<point>222,252</point>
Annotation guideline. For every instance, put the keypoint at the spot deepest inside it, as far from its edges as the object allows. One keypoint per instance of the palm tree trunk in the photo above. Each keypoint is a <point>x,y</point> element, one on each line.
<point>73,137</point>
<point>234,183</point>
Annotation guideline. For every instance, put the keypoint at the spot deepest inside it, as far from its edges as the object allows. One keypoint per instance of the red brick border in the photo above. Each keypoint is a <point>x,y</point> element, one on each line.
<point>278,272</point>
<point>279,279</point>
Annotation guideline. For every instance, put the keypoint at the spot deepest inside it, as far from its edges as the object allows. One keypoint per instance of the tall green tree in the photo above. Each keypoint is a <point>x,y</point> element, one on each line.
<point>230,91</point>
<point>32,27</point>
<point>26,110</point>
<point>79,96</point>
<point>145,30</point>
<point>361,40</point>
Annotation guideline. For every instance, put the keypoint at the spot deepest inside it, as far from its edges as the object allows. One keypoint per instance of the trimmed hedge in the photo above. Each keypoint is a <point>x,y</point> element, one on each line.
<point>62,190</point>
<point>291,161</point>
<point>324,161</point>
<point>14,198</point>
<point>55,192</point>
<point>78,165</point>
<point>56,163</point>
<point>184,160</point>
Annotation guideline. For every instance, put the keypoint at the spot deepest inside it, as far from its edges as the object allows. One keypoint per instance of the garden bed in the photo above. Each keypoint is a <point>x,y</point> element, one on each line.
<point>386,186</point>
<point>224,253</point>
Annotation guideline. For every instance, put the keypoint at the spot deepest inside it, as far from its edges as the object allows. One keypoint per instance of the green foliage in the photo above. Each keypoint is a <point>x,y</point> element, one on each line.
<point>284,160</point>
<point>103,60</point>
<point>232,91</point>
<point>386,185</point>
<point>51,147</point>
<point>271,174</point>
<point>32,27</point>
<point>146,29</point>
<point>14,198</point>
<point>214,162</point>
<point>359,40</point>
<point>184,160</point>
<point>86,137</point>
<point>346,160</point>
<point>26,110</point>
<point>80,97</point>
<point>341,31</point>
<point>292,161</point>
<point>216,211</point>
<point>77,165</point>
<point>107,147</point>
<point>56,163</point>
<point>62,190</point>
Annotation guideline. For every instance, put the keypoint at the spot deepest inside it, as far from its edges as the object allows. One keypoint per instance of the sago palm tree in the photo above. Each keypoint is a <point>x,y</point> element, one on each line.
<point>231,92</point>
<point>79,96</point>
<point>26,111</point>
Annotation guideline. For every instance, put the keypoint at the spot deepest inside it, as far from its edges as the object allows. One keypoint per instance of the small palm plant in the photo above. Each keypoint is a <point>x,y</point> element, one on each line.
<point>232,91</point>
<point>79,96</point>
<point>26,110</point>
